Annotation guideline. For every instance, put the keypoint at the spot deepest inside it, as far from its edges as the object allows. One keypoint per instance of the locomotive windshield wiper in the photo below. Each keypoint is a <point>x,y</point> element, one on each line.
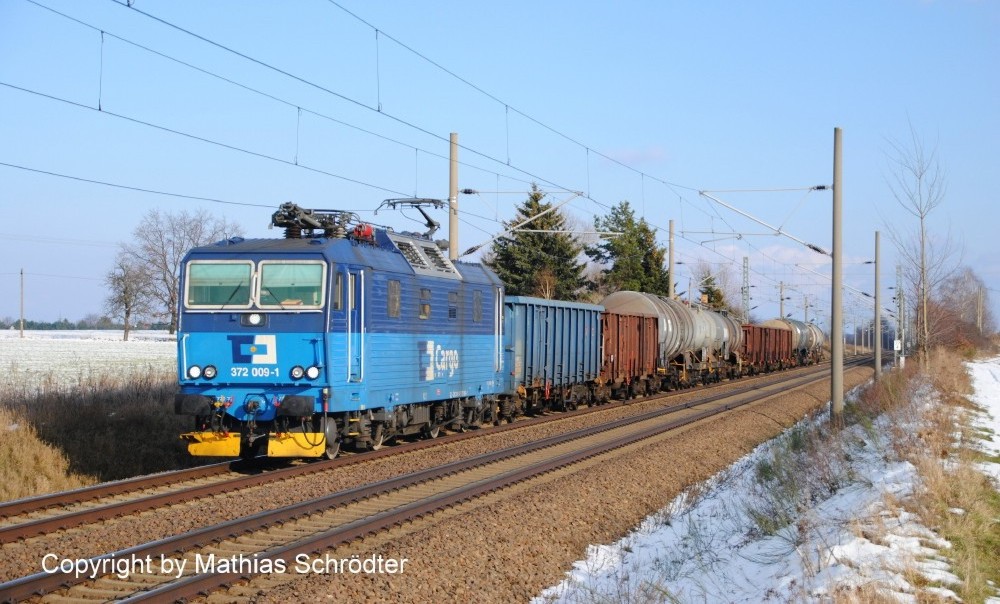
<point>268,293</point>
<point>236,290</point>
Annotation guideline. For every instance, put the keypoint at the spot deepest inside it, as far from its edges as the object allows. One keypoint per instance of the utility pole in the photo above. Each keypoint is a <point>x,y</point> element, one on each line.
<point>878,316</point>
<point>979,311</point>
<point>837,291</point>
<point>22,303</point>
<point>781,299</point>
<point>453,200</point>
<point>901,298</point>
<point>854,321</point>
<point>746,289</point>
<point>670,262</point>
<point>805,309</point>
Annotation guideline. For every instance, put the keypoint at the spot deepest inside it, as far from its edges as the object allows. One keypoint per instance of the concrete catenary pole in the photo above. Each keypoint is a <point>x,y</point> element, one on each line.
<point>837,291</point>
<point>670,263</point>
<point>453,200</point>
<point>22,303</point>
<point>746,289</point>
<point>781,299</point>
<point>878,315</point>
<point>900,319</point>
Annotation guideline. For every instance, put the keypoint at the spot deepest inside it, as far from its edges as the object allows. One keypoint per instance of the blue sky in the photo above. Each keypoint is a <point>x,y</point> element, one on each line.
<point>648,102</point>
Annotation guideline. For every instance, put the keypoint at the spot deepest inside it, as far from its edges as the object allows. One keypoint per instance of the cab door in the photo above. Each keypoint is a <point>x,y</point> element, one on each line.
<point>356,324</point>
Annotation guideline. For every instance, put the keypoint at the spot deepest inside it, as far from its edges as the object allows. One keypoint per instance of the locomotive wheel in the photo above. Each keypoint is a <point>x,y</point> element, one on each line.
<point>332,440</point>
<point>378,438</point>
<point>332,449</point>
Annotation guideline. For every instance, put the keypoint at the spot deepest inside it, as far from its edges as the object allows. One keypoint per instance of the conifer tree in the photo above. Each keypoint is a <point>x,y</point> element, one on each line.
<point>711,295</point>
<point>634,260</point>
<point>538,264</point>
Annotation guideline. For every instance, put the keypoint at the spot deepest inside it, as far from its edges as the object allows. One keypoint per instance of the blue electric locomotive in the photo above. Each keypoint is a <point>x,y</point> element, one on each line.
<point>338,334</point>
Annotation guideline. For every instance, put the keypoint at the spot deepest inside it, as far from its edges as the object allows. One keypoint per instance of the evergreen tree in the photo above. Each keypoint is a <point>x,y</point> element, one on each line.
<point>711,295</point>
<point>538,264</point>
<point>636,261</point>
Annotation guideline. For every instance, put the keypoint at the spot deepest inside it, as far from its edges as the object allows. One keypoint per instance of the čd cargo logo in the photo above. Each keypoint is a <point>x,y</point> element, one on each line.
<point>435,361</point>
<point>257,350</point>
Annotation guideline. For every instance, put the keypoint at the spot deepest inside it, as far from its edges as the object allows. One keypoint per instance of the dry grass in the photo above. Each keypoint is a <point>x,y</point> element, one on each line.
<point>107,427</point>
<point>954,497</point>
<point>29,466</point>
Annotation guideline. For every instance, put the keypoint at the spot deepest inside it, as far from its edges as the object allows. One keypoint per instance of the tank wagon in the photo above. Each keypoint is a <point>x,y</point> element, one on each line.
<point>344,334</point>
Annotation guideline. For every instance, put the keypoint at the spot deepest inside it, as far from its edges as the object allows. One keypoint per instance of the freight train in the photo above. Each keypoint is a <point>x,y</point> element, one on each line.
<point>345,334</point>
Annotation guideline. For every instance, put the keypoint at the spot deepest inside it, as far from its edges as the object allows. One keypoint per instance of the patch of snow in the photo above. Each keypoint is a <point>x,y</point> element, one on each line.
<point>47,359</point>
<point>703,546</point>
<point>986,380</point>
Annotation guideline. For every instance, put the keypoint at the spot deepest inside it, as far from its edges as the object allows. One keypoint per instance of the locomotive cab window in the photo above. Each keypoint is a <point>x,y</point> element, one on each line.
<point>218,284</point>
<point>291,284</point>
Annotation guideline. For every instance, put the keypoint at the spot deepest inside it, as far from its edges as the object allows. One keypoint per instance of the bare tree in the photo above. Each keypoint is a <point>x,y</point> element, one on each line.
<point>128,290</point>
<point>162,239</point>
<point>963,316</point>
<point>918,184</point>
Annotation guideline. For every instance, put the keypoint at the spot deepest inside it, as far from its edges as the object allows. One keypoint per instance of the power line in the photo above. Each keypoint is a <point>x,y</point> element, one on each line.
<point>132,188</point>
<point>507,106</point>
<point>670,185</point>
<point>393,117</point>
<point>299,108</point>
<point>203,139</point>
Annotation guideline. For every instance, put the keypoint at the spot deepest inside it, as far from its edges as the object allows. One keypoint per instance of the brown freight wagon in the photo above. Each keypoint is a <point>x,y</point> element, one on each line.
<point>766,348</point>
<point>629,354</point>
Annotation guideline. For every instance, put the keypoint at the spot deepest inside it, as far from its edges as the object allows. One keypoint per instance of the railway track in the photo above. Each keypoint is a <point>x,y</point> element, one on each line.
<point>276,537</point>
<point>43,515</point>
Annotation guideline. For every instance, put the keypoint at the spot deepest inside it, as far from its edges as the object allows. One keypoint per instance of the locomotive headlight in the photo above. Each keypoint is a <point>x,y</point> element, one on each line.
<point>298,372</point>
<point>254,319</point>
<point>312,373</point>
<point>210,372</point>
<point>194,372</point>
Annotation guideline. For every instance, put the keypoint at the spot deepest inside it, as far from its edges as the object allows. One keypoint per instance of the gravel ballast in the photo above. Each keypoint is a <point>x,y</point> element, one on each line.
<point>513,545</point>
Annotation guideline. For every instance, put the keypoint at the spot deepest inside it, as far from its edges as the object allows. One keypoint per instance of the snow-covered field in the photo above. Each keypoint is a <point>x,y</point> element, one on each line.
<point>706,547</point>
<point>47,359</point>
